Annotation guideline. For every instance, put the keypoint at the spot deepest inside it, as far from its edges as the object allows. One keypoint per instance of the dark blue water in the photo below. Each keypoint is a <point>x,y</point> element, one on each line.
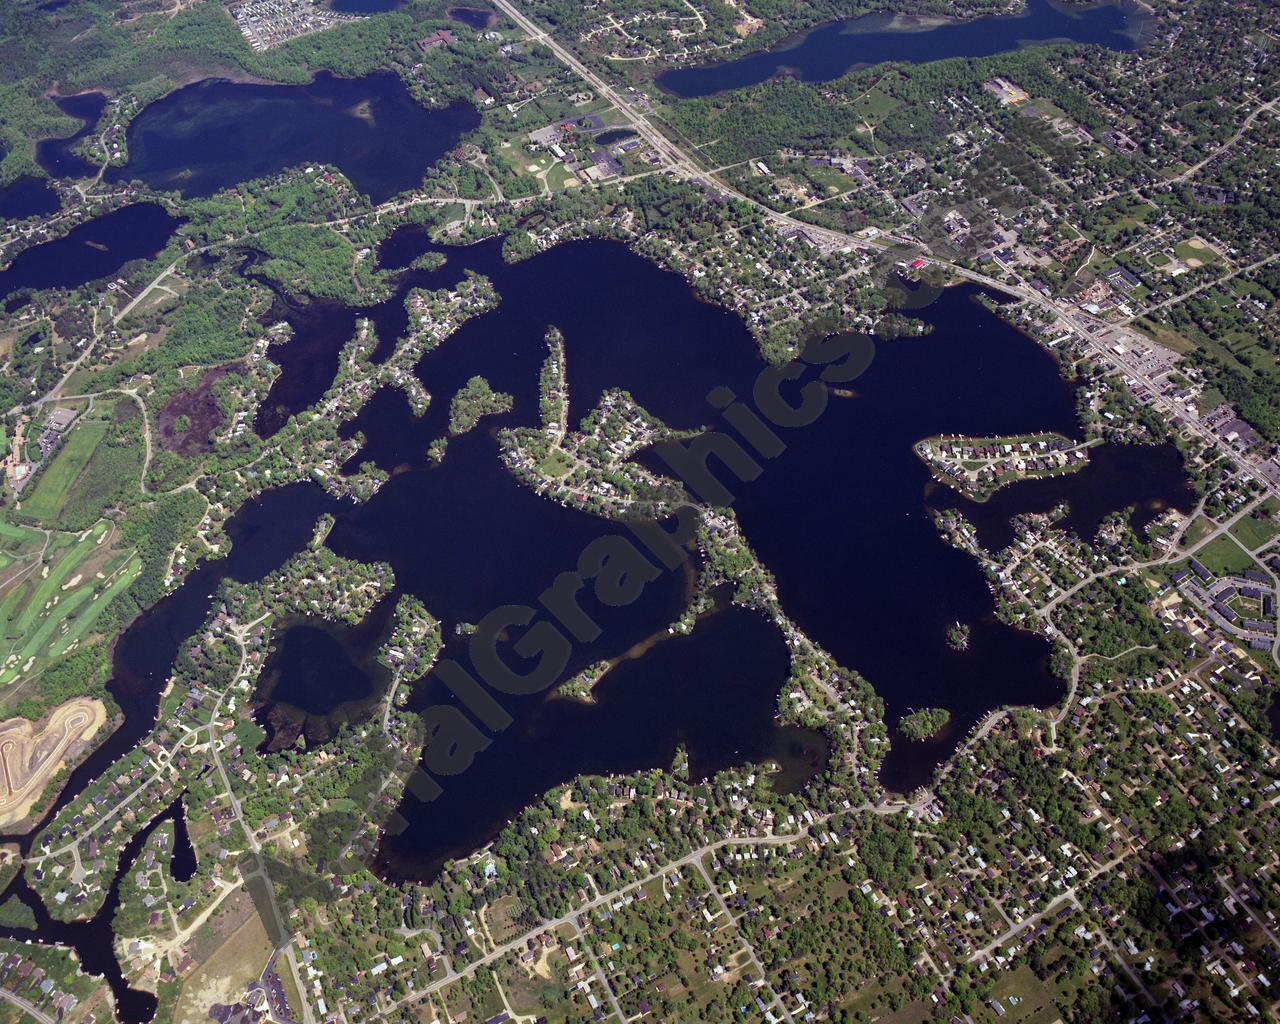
<point>264,533</point>
<point>714,691</point>
<point>830,51</point>
<point>1151,477</point>
<point>92,250</point>
<point>28,196</point>
<point>366,6</point>
<point>55,155</point>
<point>216,133</point>
<point>841,517</point>
<point>320,674</point>
<point>610,137</point>
<point>94,940</point>
<point>477,18</point>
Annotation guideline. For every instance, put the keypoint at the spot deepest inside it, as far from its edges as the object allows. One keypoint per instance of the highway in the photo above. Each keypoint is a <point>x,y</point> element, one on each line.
<point>1104,336</point>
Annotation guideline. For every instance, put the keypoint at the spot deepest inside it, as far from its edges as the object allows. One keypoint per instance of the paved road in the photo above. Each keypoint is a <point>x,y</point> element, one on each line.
<point>751,952</point>
<point>686,164</point>
<point>570,918</point>
<point>282,929</point>
<point>1244,127</point>
<point>26,1007</point>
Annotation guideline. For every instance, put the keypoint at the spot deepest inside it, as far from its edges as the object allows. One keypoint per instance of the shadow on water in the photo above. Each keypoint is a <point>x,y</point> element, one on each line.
<point>831,50</point>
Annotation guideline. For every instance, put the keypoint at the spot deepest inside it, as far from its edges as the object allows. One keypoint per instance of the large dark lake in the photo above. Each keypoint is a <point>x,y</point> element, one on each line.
<point>215,133</point>
<point>831,50</point>
<point>842,518</point>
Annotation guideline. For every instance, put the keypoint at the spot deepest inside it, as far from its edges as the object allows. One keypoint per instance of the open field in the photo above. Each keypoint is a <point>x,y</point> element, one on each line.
<point>1255,531</point>
<point>19,549</point>
<point>1223,556</point>
<point>1195,252</point>
<point>31,756</point>
<point>223,976</point>
<point>46,612</point>
<point>1199,529</point>
<point>55,483</point>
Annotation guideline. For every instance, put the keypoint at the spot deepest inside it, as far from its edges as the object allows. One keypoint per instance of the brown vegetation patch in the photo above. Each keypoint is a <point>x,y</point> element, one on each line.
<point>201,409</point>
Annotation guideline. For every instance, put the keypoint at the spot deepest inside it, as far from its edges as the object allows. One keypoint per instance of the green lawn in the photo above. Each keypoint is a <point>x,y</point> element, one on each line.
<point>55,483</point>
<point>556,464</point>
<point>1253,532</point>
<point>558,177</point>
<point>1199,529</point>
<point>1223,556</point>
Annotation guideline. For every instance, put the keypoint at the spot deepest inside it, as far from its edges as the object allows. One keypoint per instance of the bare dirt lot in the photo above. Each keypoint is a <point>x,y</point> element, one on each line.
<point>223,977</point>
<point>31,753</point>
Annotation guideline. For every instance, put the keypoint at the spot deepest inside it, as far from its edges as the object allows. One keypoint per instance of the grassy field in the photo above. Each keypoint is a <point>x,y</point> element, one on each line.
<point>17,544</point>
<point>1023,999</point>
<point>1223,556</point>
<point>222,977</point>
<point>91,472</point>
<point>55,483</point>
<point>1253,532</point>
<point>558,177</point>
<point>1199,529</point>
<point>46,612</point>
<point>1195,252</point>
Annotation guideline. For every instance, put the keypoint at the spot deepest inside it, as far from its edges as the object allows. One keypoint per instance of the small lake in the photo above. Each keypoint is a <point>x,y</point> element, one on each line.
<point>320,674</point>
<point>832,50</point>
<point>366,6</point>
<point>215,133</point>
<point>610,137</point>
<point>478,18</point>
<point>92,250</point>
<point>28,196</point>
<point>56,155</point>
